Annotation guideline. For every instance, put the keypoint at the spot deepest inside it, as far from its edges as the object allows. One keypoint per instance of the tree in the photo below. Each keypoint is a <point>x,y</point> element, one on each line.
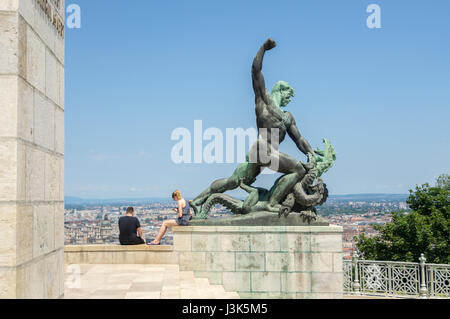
<point>426,229</point>
<point>443,181</point>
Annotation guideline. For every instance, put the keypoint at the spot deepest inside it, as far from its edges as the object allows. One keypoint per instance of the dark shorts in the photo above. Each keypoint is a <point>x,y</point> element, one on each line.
<point>138,241</point>
<point>183,221</point>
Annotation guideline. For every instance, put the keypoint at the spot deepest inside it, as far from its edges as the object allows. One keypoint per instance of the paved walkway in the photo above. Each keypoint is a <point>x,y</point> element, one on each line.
<point>139,281</point>
<point>143,281</point>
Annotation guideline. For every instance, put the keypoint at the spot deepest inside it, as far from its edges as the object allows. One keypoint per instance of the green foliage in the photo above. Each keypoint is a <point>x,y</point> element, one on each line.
<point>443,181</point>
<point>426,229</point>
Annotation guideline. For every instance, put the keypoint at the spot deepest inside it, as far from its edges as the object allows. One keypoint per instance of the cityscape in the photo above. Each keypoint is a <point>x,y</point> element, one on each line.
<point>96,222</point>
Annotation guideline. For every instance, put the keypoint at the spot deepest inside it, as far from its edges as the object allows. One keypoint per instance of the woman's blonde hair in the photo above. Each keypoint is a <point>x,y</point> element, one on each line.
<point>176,194</point>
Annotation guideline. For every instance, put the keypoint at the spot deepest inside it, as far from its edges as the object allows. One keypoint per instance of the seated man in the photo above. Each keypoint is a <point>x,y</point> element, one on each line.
<point>128,226</point>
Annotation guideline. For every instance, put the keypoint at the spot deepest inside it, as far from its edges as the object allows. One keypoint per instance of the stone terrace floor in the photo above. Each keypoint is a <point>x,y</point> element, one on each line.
<point>139,281</point>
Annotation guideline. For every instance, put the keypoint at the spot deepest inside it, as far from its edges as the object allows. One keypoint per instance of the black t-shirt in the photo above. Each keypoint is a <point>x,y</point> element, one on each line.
<point>128,226</point>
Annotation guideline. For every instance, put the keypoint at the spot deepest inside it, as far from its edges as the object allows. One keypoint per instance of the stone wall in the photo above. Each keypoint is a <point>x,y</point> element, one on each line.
<point>115,254</point>
<point>265,261</point>
<point>31,152</point>
<point>255,261</point>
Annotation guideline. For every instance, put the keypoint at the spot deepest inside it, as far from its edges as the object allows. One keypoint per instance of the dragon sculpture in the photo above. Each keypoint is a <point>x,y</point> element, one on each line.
<point>307,193</point>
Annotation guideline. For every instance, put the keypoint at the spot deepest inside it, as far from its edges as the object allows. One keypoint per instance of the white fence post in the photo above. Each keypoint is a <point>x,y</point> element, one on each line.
<point>356,285</point>
<point>423,286</point>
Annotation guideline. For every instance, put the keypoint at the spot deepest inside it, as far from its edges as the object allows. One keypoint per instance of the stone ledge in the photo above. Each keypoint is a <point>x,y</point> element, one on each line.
<point>118,248</point>
<point>259,229</point>
<point>117,254</point>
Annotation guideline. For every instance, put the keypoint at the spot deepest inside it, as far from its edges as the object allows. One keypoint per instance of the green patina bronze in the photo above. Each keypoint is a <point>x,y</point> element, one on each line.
<point>325,158</point>
<point>298,190</point>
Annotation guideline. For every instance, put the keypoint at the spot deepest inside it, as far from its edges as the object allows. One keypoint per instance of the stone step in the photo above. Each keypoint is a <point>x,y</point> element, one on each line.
<point>217,289</point>
<point>229,295</point>
<point>202,283</point>
<point>139,282</point>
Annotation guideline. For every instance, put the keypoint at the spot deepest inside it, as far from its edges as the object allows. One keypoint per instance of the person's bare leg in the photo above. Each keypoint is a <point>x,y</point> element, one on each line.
<point>162,231</point>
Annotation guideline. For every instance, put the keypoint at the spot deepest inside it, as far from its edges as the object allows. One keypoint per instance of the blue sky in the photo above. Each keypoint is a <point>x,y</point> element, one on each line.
<point>138,69</point>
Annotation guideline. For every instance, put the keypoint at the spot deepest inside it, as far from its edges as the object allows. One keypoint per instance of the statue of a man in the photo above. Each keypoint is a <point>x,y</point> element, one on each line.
<point>273,124</point>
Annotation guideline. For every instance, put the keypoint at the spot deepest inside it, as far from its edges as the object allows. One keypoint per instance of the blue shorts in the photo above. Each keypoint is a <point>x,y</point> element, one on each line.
<point>182,221</point>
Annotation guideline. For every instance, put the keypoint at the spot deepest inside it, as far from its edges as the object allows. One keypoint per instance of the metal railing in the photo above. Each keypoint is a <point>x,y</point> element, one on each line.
<point>396,279</point>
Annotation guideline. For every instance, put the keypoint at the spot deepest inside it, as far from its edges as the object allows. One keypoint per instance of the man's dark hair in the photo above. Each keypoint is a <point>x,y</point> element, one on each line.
<point>130,210</point>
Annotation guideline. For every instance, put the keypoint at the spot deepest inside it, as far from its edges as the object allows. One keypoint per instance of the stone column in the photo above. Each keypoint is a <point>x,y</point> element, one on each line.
<point>31,148</point>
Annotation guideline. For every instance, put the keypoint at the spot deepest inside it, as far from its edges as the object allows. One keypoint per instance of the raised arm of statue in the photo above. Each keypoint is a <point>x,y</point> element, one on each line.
<point>259,85</point>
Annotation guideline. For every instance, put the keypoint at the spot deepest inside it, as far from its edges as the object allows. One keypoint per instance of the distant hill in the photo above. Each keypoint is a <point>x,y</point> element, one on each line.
<point>71,200</point>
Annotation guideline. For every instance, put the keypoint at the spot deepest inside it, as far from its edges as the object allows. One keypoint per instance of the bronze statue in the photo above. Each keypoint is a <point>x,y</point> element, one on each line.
<point>295,190</point>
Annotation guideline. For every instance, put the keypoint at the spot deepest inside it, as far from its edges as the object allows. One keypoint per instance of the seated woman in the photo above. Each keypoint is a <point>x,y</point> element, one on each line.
<point>183,216</point>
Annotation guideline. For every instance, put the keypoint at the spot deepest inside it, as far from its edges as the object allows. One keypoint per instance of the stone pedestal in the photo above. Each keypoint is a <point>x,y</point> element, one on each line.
<point>31,149</point>
<point>265,261</point>
<point>261,219</point>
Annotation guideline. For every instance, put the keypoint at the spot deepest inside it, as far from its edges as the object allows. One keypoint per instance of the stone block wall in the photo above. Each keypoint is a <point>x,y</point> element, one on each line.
<point>116,254</point>
<point>265,261</point>
<point>31,151</point>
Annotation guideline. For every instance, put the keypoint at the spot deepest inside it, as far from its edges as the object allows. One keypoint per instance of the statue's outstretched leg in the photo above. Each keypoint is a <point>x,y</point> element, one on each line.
<point>246,170</point>
<point>218,186</point>
<point>294,171</point>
